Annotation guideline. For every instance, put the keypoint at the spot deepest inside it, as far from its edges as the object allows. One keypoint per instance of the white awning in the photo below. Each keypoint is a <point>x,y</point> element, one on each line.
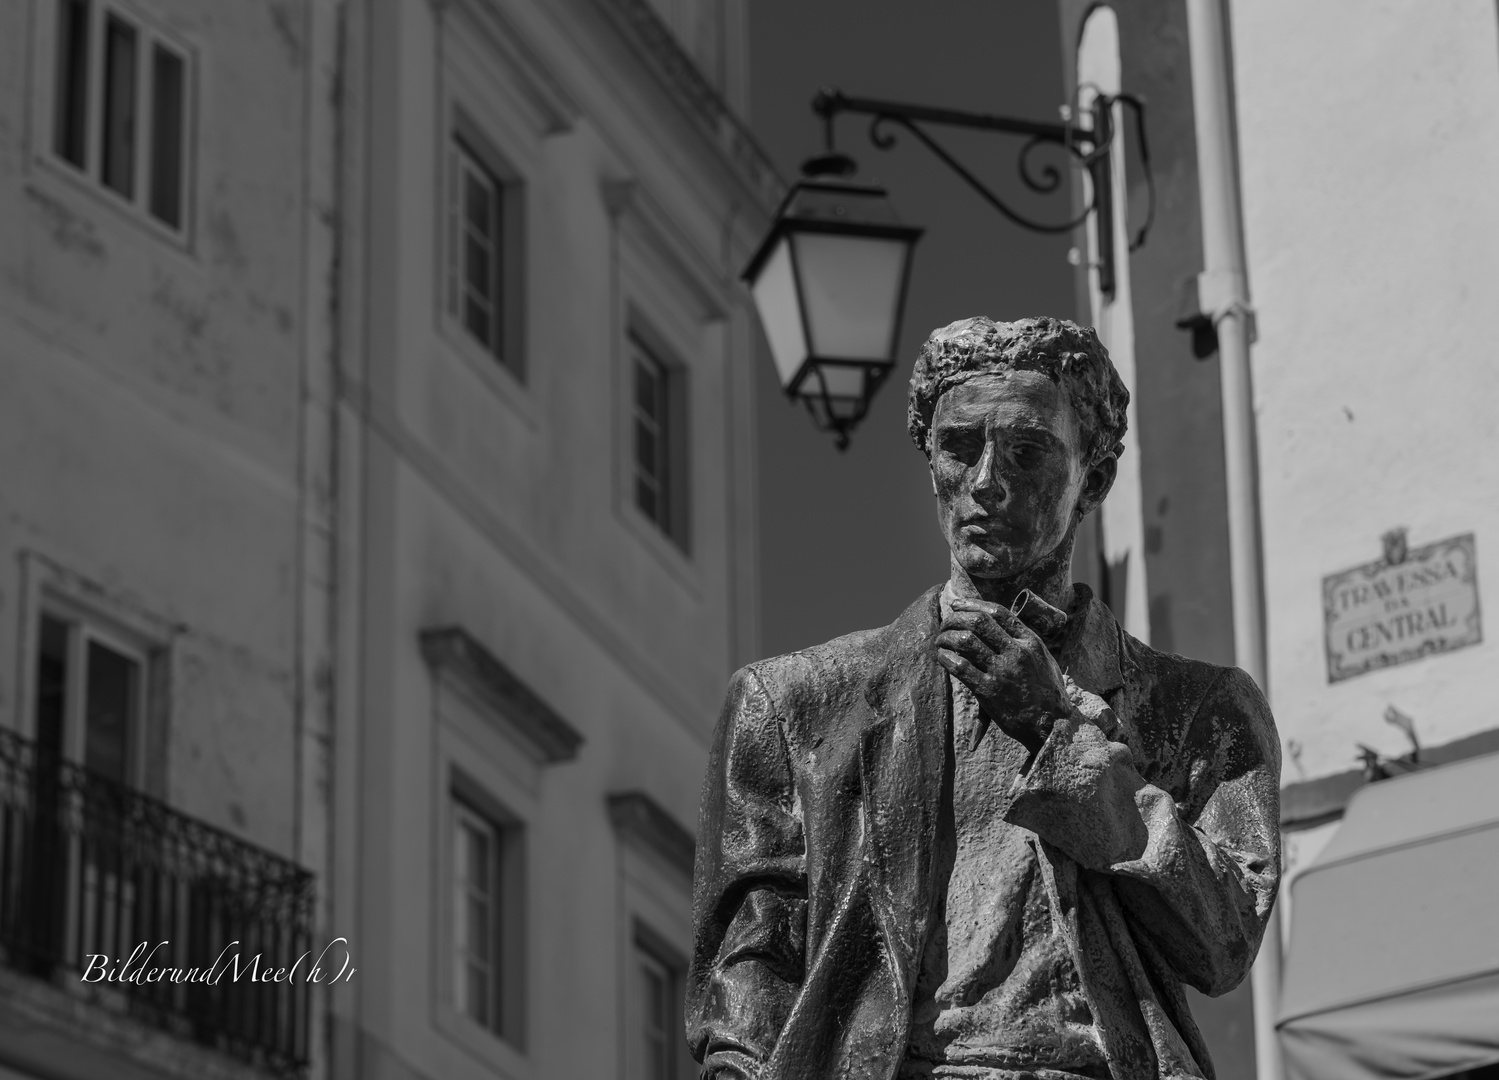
<point>1393,965</point>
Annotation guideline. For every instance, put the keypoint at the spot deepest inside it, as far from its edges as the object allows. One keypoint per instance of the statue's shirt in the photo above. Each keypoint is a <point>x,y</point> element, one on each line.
<point>997,989</point>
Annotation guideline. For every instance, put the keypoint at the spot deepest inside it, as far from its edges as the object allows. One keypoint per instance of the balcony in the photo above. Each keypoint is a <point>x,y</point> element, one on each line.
<point>90,868</point>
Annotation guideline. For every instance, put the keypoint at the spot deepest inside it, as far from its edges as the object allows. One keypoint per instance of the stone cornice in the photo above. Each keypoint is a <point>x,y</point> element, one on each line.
<point>658,47</point>
<point>640,818</point>
<point>454,654</point>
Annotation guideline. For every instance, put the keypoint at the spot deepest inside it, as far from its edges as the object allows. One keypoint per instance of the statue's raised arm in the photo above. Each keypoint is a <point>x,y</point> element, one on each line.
<point>993,839</point>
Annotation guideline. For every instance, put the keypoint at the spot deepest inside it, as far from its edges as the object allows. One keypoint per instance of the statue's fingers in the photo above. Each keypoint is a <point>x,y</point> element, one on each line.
<point>966,644</point>
<point>1011,624</point>
<point>971,676</point>
<point>981,624</point>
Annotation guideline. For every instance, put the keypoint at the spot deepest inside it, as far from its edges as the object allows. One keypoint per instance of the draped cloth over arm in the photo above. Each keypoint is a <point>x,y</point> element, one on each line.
<point>1174,858</point>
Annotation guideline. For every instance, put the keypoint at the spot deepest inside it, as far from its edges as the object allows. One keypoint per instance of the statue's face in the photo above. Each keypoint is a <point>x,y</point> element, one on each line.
<point>1008,471</point>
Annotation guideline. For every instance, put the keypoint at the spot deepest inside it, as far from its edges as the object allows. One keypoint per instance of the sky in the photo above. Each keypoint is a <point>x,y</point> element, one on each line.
<point>848,540</point>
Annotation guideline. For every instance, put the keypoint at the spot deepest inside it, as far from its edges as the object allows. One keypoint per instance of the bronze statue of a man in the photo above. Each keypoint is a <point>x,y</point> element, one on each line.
<point>994,838</point>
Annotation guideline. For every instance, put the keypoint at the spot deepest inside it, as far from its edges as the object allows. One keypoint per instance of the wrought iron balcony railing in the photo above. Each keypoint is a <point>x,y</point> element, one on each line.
<point>89,869</point>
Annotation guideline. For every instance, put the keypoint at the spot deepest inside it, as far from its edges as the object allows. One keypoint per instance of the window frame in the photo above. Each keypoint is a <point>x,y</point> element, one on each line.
<point>467,800</point>
<point>83,632</point>
<point>674,437</point>
<point>651,949</point>
<point>466,148</point>
<point>50,590</point>
<point>150,40</point>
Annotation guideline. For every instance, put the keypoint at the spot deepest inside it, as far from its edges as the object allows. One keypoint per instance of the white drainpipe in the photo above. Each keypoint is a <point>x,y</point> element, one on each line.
<point>1223,292</point>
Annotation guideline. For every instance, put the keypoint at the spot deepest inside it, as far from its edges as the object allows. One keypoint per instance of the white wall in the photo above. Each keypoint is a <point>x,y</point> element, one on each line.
<point>1369,144</point>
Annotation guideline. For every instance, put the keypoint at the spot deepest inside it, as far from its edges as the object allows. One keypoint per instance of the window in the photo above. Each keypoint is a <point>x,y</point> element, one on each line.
<point>119,107</point>
<point>660,1050</point>
<point>487,938</point>
<point>657,1009</point>
<point>90,698</point>
<point>658,425</point>
<point>483,252</point>
<point>89,710</point>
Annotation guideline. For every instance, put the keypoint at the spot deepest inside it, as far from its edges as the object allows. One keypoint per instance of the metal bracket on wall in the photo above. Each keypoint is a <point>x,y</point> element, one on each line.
<point>1098,137</point>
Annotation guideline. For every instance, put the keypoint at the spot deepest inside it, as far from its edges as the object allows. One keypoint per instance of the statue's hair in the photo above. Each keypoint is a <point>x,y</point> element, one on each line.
<point>1068,354</point>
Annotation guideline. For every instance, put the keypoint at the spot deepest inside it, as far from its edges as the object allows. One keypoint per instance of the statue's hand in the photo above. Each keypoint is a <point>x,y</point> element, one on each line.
<point>1005,664</point>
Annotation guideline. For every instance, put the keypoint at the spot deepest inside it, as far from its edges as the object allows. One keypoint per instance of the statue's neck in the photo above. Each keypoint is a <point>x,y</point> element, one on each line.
<point>1050,579</point>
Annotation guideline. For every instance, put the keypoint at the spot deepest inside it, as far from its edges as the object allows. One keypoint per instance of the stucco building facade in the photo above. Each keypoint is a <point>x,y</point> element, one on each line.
<point>1364,143</point>
<point>547,522</point>
<point>377,539</point>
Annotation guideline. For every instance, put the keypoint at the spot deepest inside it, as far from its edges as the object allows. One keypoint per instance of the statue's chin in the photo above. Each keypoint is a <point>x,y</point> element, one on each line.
<point>1001,561</point>
<point>989,563</point>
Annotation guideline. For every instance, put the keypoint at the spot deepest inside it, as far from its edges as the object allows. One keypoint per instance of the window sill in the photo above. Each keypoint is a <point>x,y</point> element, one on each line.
<point>489,370</point>
<point>53,180</point>
<point>677,562</point>
<point>492,1051</point>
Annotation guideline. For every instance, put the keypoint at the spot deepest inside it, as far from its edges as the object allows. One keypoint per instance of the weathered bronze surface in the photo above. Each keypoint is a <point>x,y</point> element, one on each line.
<point>993,839</point>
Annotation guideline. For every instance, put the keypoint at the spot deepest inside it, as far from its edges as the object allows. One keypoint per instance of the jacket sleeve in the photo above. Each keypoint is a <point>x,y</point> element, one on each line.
<point>1198,876</point>
<point>749,890</point>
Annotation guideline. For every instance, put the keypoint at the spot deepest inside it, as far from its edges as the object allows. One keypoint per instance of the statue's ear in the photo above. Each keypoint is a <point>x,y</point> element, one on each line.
<point>1097,483</point>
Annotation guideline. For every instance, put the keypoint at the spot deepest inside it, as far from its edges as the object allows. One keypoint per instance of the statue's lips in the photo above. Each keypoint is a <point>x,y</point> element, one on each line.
<point>988,527</point>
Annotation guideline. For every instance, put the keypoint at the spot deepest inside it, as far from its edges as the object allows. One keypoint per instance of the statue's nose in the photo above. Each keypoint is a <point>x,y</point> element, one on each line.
<point>986,479</point>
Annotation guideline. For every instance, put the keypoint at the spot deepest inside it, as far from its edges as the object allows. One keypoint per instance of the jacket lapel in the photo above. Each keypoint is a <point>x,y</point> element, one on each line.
<point>902,756</point>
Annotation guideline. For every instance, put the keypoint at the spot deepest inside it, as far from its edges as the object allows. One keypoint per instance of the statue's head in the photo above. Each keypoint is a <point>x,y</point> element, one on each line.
<point>1022,425</point>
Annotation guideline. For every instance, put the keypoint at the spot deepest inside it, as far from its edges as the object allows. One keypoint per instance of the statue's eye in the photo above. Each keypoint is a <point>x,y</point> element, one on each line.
<point>965,446</point>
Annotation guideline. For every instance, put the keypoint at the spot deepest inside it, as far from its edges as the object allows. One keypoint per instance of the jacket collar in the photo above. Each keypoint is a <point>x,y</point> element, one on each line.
<point>1093,653</point>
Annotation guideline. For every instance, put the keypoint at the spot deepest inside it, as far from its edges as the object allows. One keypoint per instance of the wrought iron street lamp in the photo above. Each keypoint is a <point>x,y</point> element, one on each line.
<point>829,281</point>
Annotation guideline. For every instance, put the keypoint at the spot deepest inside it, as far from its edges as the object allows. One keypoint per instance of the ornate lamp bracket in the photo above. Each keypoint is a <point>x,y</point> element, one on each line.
<point>1088,147</point>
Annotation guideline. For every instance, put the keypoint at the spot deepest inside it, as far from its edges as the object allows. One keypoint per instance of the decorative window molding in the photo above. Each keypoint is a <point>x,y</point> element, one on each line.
<point>659,50</point>
<point>642,221</point>
<point>457,659</point>
<point>548,105</point>
<point>641,820</point>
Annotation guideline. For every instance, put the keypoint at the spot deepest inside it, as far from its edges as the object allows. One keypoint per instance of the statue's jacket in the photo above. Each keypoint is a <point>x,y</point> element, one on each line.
<point>1154,811</point>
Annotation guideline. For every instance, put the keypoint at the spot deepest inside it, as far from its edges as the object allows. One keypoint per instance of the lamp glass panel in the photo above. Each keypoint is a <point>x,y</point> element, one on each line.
<point>842,381</point>
<point>780,312</point>
<point>851,289</point>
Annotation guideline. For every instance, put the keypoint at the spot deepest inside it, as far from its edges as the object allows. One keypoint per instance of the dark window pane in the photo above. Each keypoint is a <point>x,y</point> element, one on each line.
<point>645,498</point>
<point>478,994</point>
<point>167,100</point>
<point>51,684</point>
<point>477,198</point>
<point>655,1000</point>
<point>109,710</point>
<point>645,451</point>
<point>647,390</point>
<point>476,318</point>
<point>70,107</point>
<point>119,107</point>
<point>476,267</point>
